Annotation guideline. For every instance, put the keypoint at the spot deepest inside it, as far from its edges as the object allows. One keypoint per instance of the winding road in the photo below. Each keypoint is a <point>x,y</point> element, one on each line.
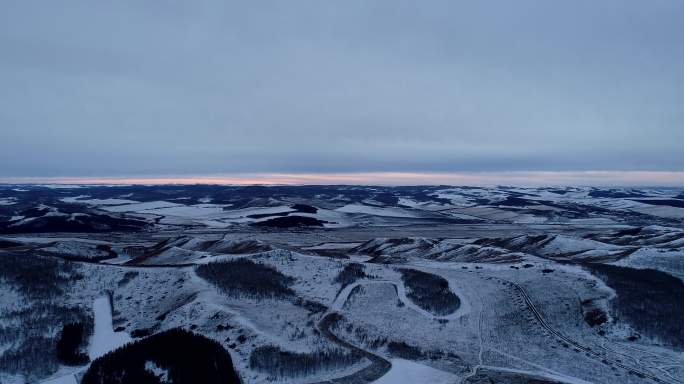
<point>379,366</point>
<point>343,296</point>
<point>587,350</point>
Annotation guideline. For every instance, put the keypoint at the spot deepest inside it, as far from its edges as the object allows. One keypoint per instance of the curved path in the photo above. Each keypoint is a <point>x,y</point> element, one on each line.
<point>343,296</point>
<point>587,350</point>
<point>379,365</point>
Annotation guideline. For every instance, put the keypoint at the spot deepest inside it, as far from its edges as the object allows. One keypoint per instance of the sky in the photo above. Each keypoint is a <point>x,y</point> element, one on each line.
<point>548,89</point>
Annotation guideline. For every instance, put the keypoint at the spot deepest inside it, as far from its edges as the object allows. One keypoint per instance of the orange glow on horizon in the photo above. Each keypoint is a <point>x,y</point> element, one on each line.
<point>531,178</point>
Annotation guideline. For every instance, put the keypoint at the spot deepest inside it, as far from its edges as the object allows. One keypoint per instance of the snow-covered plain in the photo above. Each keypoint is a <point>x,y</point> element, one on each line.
<point>375,211</point>
<point>409,372</point>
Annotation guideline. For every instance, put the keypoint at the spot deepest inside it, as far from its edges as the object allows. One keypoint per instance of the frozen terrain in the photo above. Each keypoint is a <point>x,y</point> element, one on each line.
<point>319,284</point>
<point>104,338</point>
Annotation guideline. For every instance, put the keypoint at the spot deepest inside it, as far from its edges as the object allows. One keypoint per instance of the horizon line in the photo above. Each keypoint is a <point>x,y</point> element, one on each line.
<point>594,178</point>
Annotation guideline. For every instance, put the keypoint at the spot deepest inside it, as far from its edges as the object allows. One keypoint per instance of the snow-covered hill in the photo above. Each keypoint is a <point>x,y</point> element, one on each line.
<point>318,284</point>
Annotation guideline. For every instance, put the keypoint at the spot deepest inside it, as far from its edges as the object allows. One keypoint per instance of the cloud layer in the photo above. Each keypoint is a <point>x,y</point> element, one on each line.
<point>134,88</point>
<point>522,178</point>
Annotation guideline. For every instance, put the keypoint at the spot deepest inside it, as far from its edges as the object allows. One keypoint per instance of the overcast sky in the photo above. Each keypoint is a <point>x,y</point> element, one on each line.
<point>97,88</point>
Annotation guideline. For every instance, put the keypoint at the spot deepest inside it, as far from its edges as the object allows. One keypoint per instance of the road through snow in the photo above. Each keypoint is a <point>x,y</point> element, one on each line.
<point>104,338</point>
<point>637,370</point>
<point>381,370</point>
<point>343,296</point>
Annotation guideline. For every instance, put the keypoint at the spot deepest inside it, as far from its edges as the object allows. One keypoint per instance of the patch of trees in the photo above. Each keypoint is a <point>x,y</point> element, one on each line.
<point>83,223</point>
<point>35,276</point>
<point>98,253</point>
<point>240,247</point>
<point>262,215</point>
<point>70,345</point>
<point>422,194</point>
<point>350,273</point>
<point>33,331</point>
<point>304,208</point>
<point>285,364</point>
<point>310,305</point>
<point>649,300</point>
<point>407,351</point>
<point>35,351</point>
<point>386,198</point>
<point>615,194</point>
<point>404,351</point>
<point>366,337</point>
<point>430,292</point>
<point>128,277</point>
<point>186,357</point>
<point>33,357</point>
<point>240,196</point>
<point>245,278</point>
<point>301,208</point>
<point>670,202</point>
<point>512,201</point>
<point>595,316</point>
<point>290,221</point>
<point>9,244</point>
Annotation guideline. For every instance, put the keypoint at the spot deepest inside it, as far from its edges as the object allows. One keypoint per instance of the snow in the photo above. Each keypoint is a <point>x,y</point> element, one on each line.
<point>662,211</point>
<point>456,197</point>
<point>104,338</point>
<point>120,259</point>
<point>237,213</point>
<point>409,372</point>
<point>161,373</point>
<point>429,206</point>
<point>670,261</point>
<point>138,207</point>
<point>190,211</point>
<point>463,216</point>
<point>493,317</point>
<point>550,376</point>
<point>565,244</point>
<point>48,240</point>
<point>66,379</point>
<point>325,246</point>
<point>593,221</point>
<point>61,186</point>
<point>77,248</point>
<point>491,213</point>
<point>409,202</point>
<point>375,211</point>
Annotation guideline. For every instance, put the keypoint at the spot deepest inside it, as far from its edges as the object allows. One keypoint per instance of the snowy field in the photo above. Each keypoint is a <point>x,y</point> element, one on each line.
<point>104,338</point>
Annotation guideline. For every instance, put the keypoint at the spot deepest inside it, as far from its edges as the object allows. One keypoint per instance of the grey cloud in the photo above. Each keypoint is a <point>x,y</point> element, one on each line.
<point>125,88</point>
